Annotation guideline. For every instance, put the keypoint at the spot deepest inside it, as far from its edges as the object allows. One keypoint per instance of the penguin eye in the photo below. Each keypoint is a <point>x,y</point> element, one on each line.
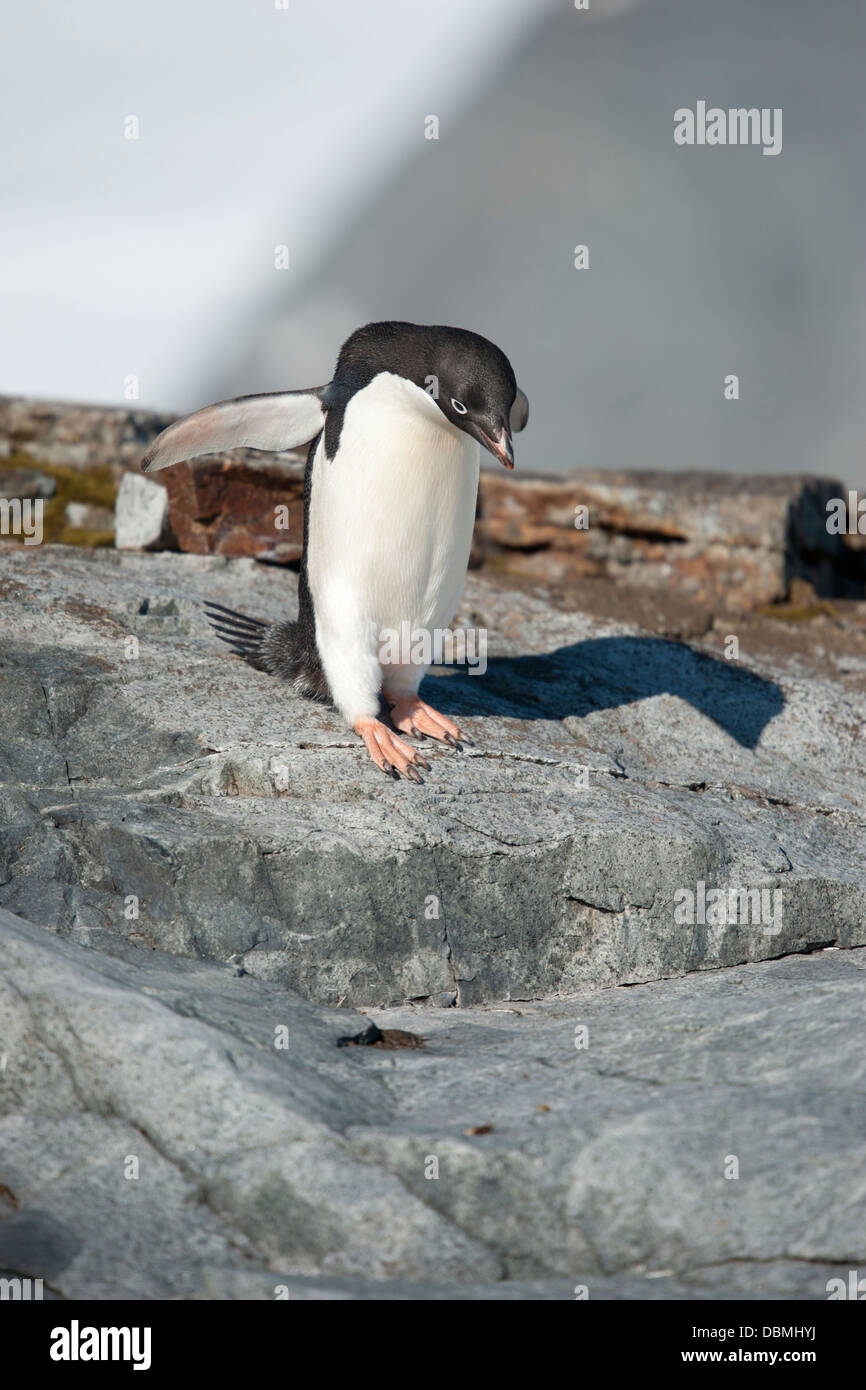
<point>459,407</point>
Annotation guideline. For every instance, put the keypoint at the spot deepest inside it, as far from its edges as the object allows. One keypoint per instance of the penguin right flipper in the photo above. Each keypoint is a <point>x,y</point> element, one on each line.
<point>519,412</point>
<point>276,421</point>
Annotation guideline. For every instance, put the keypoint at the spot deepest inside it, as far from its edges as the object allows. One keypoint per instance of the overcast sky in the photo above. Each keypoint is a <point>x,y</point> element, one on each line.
<point>153,258</point>
<point>258,126</point>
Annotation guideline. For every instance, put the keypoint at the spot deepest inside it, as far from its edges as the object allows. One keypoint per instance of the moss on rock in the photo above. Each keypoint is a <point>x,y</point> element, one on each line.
<point>95,486</point>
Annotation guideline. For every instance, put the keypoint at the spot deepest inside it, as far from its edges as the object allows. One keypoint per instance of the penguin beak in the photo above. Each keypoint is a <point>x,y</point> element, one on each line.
<point>501,448</point>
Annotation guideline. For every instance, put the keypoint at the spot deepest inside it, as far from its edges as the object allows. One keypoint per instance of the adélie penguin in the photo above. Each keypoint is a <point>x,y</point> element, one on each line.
<point>389,505</point>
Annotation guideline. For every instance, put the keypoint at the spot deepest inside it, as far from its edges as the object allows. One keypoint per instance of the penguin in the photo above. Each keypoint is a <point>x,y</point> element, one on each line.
<point>390,491</point>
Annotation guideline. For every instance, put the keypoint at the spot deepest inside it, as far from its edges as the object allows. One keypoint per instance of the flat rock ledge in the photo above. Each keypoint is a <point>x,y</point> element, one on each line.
<point>172,1128</point>
<point>203,882</point>
<point>156,789</point>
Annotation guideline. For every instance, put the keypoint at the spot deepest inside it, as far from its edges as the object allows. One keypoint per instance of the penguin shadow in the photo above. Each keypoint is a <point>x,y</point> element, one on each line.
<point>604,673</point>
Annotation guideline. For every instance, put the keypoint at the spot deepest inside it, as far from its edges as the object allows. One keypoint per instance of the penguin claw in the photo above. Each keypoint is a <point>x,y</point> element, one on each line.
<point>412,716</point>
<point>389,752</point>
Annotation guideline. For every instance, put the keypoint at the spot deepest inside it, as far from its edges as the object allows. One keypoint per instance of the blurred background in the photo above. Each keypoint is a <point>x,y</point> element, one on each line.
<point>305,126</point>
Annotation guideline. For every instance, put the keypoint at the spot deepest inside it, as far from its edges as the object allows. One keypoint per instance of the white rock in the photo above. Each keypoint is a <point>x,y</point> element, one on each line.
<point>141,514</point>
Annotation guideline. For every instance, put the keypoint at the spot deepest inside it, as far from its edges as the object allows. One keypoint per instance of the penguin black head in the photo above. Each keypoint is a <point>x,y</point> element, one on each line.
<point>469,378</point>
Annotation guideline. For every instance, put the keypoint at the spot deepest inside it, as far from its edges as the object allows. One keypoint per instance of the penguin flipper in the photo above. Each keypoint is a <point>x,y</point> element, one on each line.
<point>519,412</point>
<point>276,421</point>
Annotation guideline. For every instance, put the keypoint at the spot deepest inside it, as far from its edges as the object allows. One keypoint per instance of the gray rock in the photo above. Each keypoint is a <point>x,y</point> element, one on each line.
<point>239,1145</point>
<point>156,1143</point>
<point>88,517</point>
<point>141,514</point>
<point>157,789</point>
<point>26,482</point>
<point>76,436</point>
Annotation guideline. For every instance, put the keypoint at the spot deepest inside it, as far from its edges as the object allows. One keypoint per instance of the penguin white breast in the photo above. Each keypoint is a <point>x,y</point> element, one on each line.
<point>392,514</point>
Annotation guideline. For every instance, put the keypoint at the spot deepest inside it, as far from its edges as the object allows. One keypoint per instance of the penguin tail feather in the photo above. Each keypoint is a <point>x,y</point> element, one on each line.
<point>272,647</point>
<point>244,635</point>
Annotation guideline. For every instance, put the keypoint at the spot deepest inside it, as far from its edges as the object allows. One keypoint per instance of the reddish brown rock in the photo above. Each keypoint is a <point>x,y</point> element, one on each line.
<point>222,507</point>
<point>709,536</point>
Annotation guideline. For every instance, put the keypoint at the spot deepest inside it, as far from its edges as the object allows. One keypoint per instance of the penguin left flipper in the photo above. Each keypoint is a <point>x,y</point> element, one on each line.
<point>276,421</point>
<point>411,715</point>
<point>388,751</point>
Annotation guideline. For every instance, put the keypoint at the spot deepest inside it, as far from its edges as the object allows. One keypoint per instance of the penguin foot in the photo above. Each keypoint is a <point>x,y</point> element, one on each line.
<point>388,751</point>
<point>411,716</point>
